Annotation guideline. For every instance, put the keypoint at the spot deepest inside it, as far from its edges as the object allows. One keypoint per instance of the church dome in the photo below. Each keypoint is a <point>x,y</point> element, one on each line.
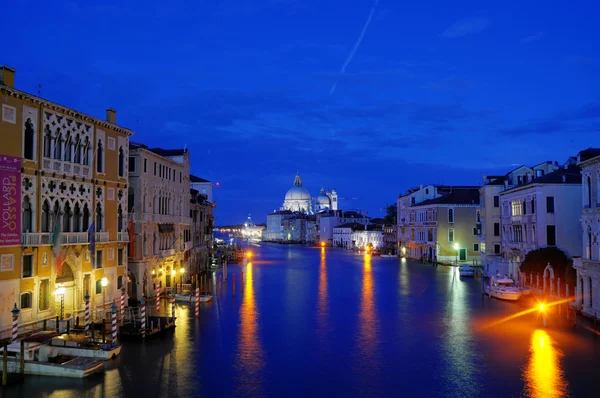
<point>323,200</point>
<point>297,193</point>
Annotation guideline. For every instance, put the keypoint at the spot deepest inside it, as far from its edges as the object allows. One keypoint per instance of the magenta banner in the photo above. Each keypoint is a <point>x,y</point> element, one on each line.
<point>10,200</point>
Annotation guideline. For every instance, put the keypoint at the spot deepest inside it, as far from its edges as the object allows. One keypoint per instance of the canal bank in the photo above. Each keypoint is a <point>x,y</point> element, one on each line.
<point>321,322</point>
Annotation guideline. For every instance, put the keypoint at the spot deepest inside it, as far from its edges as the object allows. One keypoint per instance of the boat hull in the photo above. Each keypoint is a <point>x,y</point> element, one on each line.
<point>503,295</point>
<point>76,368</point>
<point>90,353</point>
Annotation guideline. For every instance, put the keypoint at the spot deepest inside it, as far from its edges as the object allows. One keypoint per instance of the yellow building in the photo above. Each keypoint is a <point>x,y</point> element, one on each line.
<point>445,228</point>
<point>74,172</point>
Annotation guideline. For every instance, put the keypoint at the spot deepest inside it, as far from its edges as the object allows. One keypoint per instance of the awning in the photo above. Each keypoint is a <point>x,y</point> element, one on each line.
<point>166,228</point>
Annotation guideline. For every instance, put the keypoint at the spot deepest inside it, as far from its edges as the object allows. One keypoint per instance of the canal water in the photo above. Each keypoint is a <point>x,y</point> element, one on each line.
<point>311,322</point>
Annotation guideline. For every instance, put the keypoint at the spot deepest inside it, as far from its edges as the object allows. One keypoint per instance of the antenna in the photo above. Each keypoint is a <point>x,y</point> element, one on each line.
<point>39,90</point>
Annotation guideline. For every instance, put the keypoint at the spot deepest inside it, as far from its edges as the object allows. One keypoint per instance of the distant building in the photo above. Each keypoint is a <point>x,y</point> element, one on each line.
<point>327,200</point>
<point>342,235</point>
<point>390,242</point>
<point>588,265</point>
<point>204,187</point>
<point>328,220</point>
<point>201,212</point>
<point>275,226</point>
<point>251,231</point>
<point>370,235</point>
<point>297,198</point>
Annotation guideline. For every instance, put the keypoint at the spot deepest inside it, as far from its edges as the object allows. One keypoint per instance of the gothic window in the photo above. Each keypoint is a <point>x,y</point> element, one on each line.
<point>55,214</point>
<point>68,148</point>
<point>588,189</point>
<point>98,218</point>
<point>27,217</point>
<point>154,247</point>
<point>100,158</point>
<point>47,143</point>
<point>121,162</point>
<point>77,218</point>
<point>120,218</point>
<point>67,215</point>
<point>588,248</point>
<point>58,146</point>
<point>450,216</point>
<point>45,217</point>
<point>130,199</point>
<point>78,149</point>
<point>86,218</point>
<point>28,147</point>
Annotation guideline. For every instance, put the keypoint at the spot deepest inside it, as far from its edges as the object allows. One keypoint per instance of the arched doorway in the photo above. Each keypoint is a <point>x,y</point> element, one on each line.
<point>65,291</point>
<point>131,285</point>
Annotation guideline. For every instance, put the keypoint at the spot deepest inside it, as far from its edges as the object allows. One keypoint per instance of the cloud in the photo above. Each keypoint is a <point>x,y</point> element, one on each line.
<point>532,38</point>
<point>465,27</point>
<point>585,119</point>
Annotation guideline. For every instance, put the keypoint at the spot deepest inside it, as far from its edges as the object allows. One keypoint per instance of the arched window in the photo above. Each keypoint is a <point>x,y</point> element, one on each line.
<point>119,281</point>
<point>130,199</point>
<point>100,158</point>
<point>26,300</point>
<point>120,218</point>
<point>45,217</point>
<point>588,188</point>
<point>450,235</point>
<point>78,149</point>
<point>451,216</point>
<point>58,146</point>
<point>121,162</point>
<point>590,297</point>
<point>29,144</point>
<point>154,247</point>
<point>67,215</point>
<point>47,142</point>
<point>145,246</point>
<point>588,248</point>
<point>55,214</point>
<point>69,145</point>
<point>27,217</point>
<point>98,218</point>
<point>86,218</point>
<point>77,218</point>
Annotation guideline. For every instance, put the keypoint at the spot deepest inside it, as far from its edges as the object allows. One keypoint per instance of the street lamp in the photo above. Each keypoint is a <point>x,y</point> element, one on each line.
<point>456,247</point>
<point>60,291</point>
<point>104,283</point>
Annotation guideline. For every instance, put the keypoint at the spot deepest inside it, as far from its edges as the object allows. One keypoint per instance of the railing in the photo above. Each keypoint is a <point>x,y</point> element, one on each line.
<point>36,238</point>
<point>101,236</point>
<point>58,166</point>
<point>28,328</point>
<point>73,238</point>
<point>123,236</point>
<point>166,253</point>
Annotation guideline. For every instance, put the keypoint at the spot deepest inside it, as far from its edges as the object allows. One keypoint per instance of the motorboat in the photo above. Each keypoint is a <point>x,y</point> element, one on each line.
<point>504,288</point>
<point>465,270</point>
<point>84,347</point>
<point>388,255</point>
<point>190,298</point>
<point>44,360</point>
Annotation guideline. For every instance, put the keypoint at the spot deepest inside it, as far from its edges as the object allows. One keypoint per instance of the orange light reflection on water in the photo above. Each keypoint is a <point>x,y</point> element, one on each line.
<point>543,374</point>
<point>368,321</point>
<point>249,352</point>
<point>322,299</point>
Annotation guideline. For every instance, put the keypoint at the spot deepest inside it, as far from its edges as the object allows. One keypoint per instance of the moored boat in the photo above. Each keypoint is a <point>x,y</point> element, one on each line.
<point>189,298</point>
<point>85,347</point>
<point>388,255</point>
<point>504,288</point>
<point>44,360</point>
<point>465,270</point>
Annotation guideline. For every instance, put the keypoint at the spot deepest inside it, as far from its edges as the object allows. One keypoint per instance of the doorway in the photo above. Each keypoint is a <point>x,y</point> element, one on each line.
<point>65,288</point>
<point>462,254</point>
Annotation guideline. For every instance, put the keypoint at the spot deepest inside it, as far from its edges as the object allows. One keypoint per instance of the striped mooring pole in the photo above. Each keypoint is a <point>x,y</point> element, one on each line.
<point>122,303</point>
<point>173,307</point>
<point>143,316</point>
<point>197,302</point>
<point>113,309</point>
<point>15,326</point>
<point>87,313</point>
<point>158,300</point>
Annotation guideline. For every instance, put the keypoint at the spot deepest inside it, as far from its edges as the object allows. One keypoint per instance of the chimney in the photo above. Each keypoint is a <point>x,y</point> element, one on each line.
<point>484,178</point>
<point>111,116</point>
<point>7,76</point>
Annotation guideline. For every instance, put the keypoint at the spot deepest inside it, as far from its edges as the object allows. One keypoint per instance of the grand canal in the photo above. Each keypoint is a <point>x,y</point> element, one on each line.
<point>325,322</point>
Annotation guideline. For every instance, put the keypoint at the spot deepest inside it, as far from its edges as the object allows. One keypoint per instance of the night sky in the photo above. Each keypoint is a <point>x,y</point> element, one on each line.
<point>368,97</point>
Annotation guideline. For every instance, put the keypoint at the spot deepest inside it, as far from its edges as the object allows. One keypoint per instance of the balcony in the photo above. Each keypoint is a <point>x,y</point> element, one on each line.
<point>36,238</point>
<point>123,236</point>
<point>186,246</point>
<point>73,238</point>
<point>101,237</point>
<point>166,253</point>
<point>74,169</point>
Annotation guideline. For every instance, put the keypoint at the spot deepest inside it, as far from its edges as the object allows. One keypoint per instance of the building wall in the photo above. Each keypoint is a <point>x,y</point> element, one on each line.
<point>465,217</point>
<point>61,178</point>
<point>490,215</point>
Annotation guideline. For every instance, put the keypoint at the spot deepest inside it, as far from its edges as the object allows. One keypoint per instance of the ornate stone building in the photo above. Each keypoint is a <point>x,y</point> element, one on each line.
<point>159,205</point>
<point>201,212</point>
<point>72,175</point>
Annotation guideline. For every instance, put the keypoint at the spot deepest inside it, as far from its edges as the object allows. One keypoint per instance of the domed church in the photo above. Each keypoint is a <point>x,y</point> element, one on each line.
<point>297,199</point>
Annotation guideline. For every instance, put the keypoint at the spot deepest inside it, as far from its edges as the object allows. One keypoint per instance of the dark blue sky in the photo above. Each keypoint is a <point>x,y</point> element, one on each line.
<point>427,92</point>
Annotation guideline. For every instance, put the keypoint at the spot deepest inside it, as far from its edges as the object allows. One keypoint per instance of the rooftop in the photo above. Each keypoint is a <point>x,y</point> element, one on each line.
<point>459,197</point>
<point>194,178</point>
<point>588,154</point>
<point>569,175</point>
<point>168,152</point>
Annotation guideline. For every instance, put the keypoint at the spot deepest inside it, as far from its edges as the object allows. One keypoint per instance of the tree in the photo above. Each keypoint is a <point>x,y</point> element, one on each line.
<point>391,214</point>
<point>536,260</point>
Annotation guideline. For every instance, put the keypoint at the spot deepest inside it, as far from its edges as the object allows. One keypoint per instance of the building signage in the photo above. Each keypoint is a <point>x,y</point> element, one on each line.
<point>10,200</point>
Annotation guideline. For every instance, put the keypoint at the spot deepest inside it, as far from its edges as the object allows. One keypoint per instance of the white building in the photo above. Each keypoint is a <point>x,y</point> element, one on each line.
<point>342,235</point>
<point>490,230</point>
<point>370,235</point>
<point>588,265</point>
<point>204,187</point>
<point>539,212</point>
<point>331,219</point>
<point>327,200</point>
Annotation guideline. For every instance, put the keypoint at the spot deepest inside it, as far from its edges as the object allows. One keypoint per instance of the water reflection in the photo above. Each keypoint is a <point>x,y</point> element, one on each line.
<point>249,358</point>
<point>322,305</point>
<point>543,374</point>
<point>368,331</point>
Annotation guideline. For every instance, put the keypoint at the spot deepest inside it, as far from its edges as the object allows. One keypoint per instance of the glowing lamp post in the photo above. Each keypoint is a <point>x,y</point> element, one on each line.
<point>456,247</point>
<point>104,283</point>
<point>60,291</point>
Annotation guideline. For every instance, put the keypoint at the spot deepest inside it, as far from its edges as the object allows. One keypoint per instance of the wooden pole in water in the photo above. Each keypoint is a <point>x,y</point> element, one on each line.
<point>57,326</point>
<point>5,365</point>
<point>22,357</point>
